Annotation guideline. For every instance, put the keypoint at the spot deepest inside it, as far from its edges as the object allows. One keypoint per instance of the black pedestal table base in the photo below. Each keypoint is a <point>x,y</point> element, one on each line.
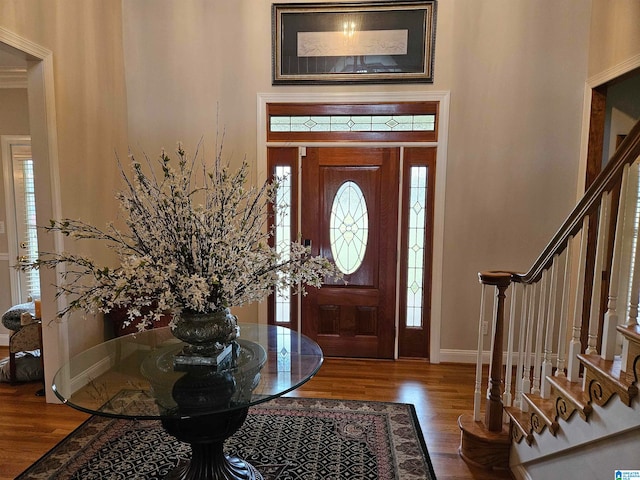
<point>206,435</point>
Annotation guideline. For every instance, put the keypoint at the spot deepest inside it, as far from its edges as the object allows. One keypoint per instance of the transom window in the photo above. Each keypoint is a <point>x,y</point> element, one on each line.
<point>381,122</point>
<point>352,123</point>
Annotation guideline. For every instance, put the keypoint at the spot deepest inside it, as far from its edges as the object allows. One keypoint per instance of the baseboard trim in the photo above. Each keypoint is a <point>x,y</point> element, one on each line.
<point>520,473</point>
<point>470,356</point>
<point>462,356</point>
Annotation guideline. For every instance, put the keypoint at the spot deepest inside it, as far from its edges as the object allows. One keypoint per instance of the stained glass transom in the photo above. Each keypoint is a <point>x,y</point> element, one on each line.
<point>353,123</point>
<point>416,247</point>
<point>282,238</point>
<point>349,227</point>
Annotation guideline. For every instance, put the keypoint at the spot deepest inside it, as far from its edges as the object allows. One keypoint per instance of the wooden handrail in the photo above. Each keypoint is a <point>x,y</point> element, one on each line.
<point>627,153</point>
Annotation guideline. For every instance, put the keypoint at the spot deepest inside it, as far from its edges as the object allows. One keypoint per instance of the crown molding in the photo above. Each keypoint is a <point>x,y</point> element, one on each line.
<point>13,77</point>
<point>614,72</point>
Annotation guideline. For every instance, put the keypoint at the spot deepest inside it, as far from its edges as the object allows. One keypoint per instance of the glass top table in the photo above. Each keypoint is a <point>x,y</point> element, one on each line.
<point>134,377</point>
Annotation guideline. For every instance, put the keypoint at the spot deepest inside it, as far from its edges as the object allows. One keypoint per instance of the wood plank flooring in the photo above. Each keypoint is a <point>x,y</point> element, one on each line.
<point>29,427</point>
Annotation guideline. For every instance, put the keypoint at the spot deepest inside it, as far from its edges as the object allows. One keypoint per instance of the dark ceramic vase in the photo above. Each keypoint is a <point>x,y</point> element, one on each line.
<point>208,336</point>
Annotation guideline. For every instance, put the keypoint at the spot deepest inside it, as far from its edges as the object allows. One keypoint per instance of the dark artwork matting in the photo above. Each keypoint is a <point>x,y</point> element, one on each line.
<point>367,42</point>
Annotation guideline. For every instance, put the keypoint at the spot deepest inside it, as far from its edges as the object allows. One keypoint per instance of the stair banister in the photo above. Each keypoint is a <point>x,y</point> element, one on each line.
<point>536,324</point>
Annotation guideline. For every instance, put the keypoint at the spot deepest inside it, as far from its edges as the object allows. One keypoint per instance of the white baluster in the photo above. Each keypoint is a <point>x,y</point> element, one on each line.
<point>522,333</point>
<point>609,332</point>
<point>635,289</point>
<point>492,334</point>
<point>573,367</point>
<point>632,308</point>
<point>601,247</point>
<point>547,366</point>
<point>528,351</point>
<point>634,294</point>
<point>564,313</point>
<point>537,359</point>
<point>507,395</point>
<point>477,394</point>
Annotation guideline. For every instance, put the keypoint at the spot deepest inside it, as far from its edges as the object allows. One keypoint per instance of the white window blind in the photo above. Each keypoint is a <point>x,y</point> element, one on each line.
<point>26,215</point>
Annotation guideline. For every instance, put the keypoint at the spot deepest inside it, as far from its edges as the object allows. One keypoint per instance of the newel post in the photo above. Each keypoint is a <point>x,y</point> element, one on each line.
<point>493,413</point>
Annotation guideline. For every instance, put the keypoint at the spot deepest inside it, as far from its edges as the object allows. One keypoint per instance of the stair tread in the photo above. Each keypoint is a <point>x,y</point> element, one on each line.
<point>573,393</point>
<point>570,389</point>
<point>632,332</point>
<point>604,378</point>
<point>607,368</point>
<point>520,425</point>
<point>544,413</point>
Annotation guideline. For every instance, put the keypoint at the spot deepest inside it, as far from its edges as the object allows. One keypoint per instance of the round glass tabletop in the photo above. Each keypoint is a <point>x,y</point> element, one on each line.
<point>135,376</point>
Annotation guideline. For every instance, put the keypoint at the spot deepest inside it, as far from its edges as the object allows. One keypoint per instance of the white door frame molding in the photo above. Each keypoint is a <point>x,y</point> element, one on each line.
<point>443,98</point>
<point>592,82</point>
<point>44,144</point>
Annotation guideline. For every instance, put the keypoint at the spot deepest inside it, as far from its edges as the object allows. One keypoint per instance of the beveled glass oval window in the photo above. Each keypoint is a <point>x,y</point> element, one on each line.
<point>349,227</point>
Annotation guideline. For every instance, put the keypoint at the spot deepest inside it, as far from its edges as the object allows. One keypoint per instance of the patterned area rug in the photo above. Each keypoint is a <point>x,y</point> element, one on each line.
<point>285,439</point>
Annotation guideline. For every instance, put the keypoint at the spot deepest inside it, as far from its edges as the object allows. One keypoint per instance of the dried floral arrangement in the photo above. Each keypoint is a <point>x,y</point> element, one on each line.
<point>196,239</point>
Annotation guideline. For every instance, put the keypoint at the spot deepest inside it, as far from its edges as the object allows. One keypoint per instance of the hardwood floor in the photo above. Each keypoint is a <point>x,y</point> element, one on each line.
<point>29,427</point>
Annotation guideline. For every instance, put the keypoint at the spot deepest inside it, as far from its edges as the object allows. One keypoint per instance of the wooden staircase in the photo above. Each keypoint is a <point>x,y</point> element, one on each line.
<point>602,380</point>
<point>565,338</point>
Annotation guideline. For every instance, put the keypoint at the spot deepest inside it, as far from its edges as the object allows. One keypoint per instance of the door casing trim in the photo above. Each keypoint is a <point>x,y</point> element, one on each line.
<point>44,144</point>
<point>443,97</point>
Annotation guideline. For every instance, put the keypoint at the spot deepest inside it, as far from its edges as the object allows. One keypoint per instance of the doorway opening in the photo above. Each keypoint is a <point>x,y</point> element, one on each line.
<point>21,224</point>
<point>42,130</point>
<point>361,183</point>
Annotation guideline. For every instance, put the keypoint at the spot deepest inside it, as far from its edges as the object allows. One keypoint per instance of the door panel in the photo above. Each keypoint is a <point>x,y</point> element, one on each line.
<point>354,317</point>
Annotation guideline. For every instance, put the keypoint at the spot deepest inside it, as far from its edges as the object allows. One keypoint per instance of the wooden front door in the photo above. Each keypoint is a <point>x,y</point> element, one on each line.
<point>350,214</point>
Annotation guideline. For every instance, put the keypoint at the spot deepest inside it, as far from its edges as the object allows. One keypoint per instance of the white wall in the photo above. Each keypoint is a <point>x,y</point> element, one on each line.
<point>614,35</point>
<point>515,70</point>
<point>516,73</point>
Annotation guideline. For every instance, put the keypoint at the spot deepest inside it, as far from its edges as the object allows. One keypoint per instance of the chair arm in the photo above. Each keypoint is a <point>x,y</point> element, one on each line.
<point>27,338</point>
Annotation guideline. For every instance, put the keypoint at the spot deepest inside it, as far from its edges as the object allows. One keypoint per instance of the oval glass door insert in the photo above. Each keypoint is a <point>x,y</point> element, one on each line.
<point>349,227</point>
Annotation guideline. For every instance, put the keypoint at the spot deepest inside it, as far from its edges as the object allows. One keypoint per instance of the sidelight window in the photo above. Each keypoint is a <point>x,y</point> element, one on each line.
<point>416,245</point>
<point>282,237</point>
